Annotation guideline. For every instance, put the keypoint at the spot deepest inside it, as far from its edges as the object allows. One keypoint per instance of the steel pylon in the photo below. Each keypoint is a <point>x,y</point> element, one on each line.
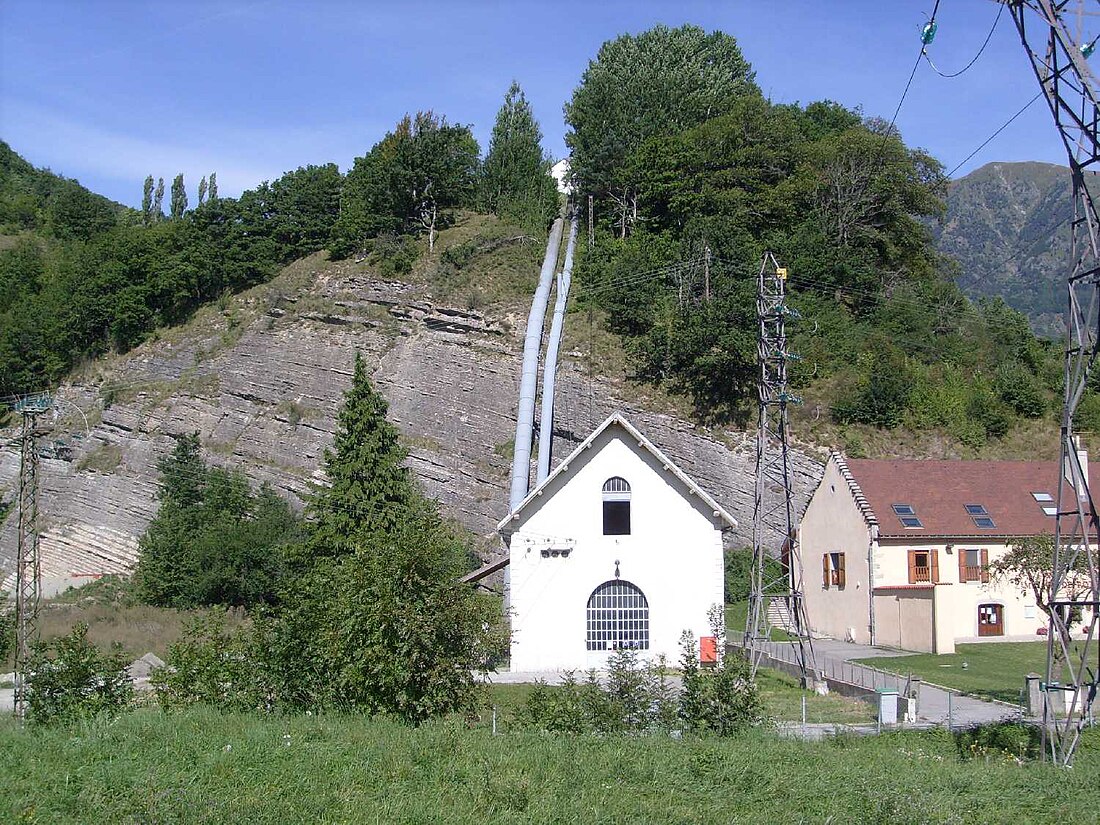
<point>774,516</point>
<point>1059,59</point>
<point>28,568</point>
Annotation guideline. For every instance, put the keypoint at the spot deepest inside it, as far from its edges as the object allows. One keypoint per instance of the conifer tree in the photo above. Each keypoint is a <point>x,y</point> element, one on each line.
<point>516,179</point>
<point>179,197</point>
<point>369,491</point>
<point>202,190</point>
<point>158,202</point>
<point>212,187</point>
<point>147,201</point>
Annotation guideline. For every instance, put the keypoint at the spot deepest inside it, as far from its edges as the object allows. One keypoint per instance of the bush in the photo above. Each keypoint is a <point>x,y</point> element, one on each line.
<point>74,679</point>
<point>1020,389</point>
<point>738,569</point>
<point>1009,741</point>
<point>635,697</point>
<point>722,700</point>
<point>213,666</point>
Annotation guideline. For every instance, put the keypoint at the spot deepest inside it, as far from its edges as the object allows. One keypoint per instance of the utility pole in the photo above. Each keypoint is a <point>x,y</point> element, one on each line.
<point>774,509</point>
<point>28,568</point>
<point>1059,60</point>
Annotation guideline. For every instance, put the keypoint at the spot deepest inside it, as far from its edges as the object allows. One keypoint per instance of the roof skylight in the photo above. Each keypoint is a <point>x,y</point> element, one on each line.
<point>976,510</point>
<point>907,515</point>
<point>1042,496</point>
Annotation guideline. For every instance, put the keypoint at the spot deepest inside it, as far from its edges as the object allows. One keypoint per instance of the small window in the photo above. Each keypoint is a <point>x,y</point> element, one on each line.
<point>907,515</point>
<point>616,507</point>
<point>924,566</point>
<point>833,570</point>
<point>1042,497</point>
<point>984,522</point>
<point>1050,511</point>
<point>973,565</point>
<point>976,510</point>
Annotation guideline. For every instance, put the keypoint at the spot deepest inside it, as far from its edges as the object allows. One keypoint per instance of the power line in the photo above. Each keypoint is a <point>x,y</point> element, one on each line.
<point>973,60</point>
<point>1000,129</point>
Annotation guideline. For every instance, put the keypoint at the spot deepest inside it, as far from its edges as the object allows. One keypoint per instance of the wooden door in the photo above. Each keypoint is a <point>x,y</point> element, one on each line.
<point>991,620</point>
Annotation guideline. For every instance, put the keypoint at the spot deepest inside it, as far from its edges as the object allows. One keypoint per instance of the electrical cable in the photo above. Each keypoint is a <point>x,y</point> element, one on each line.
<point>1000,129</point>
<point>973,60</point>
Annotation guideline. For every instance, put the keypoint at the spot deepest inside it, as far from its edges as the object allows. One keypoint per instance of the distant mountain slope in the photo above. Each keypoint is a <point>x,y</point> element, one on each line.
<point>1008,226</point>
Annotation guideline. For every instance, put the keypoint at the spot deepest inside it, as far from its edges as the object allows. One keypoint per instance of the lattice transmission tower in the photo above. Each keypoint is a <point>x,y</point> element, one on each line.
<point>775,595</point>
<point>1059,57</point>
<point>28,568</point>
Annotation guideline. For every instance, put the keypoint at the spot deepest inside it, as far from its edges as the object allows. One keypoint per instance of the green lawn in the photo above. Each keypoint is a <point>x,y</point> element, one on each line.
<point>203,766</point>
<point>993,670</point>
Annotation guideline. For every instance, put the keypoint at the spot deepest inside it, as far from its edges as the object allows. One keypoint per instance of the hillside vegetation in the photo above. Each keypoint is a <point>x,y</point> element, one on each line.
<point>685,207</point>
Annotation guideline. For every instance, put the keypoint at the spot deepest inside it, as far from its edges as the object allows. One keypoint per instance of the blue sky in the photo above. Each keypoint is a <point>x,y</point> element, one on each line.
<point>112,90</point>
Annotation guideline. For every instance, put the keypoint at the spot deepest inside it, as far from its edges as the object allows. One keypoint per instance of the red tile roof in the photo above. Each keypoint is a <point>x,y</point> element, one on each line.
<point>939,491</point>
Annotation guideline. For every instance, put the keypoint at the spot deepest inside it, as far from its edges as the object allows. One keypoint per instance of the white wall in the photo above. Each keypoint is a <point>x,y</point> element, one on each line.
<point>673,554</point>
<point>833,523</point>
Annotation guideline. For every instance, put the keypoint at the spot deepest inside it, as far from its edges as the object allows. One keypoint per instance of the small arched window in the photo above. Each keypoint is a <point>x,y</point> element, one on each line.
<point>617,617</point>
<point>616,507</point>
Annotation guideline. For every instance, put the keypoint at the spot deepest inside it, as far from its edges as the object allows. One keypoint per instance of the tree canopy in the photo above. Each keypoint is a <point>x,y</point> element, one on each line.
<point>406,182</point>
<point>639,87</point>
<point>516,181</point>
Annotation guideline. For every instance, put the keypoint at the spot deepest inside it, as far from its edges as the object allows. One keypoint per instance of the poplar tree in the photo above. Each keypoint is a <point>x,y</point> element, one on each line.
<point>212,187</point>
<point>179,197</point>
<point>202,190</point>
<point>158,202</point>
<point>516,177</point>
<point>147,201</point>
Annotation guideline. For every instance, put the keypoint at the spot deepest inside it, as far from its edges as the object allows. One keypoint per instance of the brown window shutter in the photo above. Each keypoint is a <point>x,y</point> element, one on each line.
<point>962,564</point>
<point>825,570</point>
<point>934,556</point>
<point>912,567</point>
<point>985,565</point>
<point>840,569</point>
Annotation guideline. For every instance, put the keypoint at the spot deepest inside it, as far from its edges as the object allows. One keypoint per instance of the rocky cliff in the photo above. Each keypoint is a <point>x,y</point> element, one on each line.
<point>261,378</point>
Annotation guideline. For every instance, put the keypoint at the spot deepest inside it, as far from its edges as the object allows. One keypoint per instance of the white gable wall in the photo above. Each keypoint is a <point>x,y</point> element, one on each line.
<point>673,554</point>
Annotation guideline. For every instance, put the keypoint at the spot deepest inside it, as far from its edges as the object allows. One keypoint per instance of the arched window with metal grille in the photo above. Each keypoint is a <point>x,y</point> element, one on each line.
<point>616,507</point>
<point>617,617</point>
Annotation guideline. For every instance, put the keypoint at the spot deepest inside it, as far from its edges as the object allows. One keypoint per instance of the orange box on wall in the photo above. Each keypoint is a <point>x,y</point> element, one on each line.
<point>708,650</point>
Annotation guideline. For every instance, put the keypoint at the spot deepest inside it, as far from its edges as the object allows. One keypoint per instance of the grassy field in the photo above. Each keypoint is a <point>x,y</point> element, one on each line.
<point>203,766</point>
<point>993,671</point>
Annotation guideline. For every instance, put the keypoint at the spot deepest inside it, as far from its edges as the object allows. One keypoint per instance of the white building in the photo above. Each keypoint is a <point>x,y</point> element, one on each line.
<point>904,549</point>
<point>616,548</point>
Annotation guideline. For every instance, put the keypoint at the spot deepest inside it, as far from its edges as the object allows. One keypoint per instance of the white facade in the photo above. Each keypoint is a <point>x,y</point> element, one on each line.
<point>560,556</point>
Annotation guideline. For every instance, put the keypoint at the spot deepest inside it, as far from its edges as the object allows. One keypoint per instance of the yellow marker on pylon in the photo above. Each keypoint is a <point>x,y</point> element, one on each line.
<point>781,273</point>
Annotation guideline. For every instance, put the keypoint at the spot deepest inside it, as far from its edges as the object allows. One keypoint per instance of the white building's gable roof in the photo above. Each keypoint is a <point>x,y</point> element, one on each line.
<point>617,419</point>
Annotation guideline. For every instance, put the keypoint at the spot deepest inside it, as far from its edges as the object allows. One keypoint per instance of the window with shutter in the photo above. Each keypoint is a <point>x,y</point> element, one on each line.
<point>922,566</point>
<point>825,570</point>
<point>840,569</point>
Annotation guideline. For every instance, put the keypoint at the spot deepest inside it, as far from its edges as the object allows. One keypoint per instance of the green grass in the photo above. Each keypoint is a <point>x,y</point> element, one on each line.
<point>203,766</point>
<point>737,614</point>
<point>993,670</point>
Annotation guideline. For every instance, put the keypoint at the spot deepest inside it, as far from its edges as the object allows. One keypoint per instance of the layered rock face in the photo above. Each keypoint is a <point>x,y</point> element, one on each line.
<point>261,381</point>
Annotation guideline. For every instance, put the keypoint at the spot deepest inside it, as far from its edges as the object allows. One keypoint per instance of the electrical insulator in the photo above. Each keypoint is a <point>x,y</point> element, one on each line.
<point>1087,49</point>
<point>928,33</point>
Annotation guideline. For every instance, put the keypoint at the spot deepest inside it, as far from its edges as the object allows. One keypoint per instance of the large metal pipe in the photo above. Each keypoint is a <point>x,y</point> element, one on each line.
<point>528,382</point>
<point>550,369</point>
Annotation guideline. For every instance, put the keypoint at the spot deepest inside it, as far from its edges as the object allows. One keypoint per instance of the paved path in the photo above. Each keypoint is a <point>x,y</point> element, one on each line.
<point>935,704</point>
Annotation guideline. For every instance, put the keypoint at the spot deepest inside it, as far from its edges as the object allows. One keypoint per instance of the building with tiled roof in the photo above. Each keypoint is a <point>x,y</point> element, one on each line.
<point>903,549</point>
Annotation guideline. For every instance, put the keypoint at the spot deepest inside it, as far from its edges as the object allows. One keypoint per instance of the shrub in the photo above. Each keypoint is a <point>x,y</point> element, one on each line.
<point>213,666</point>
<point>1020,389</point>
<point>72,678</point>
<point>1008,740</point>
<point>635,697</point>
<point>722,700</point>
